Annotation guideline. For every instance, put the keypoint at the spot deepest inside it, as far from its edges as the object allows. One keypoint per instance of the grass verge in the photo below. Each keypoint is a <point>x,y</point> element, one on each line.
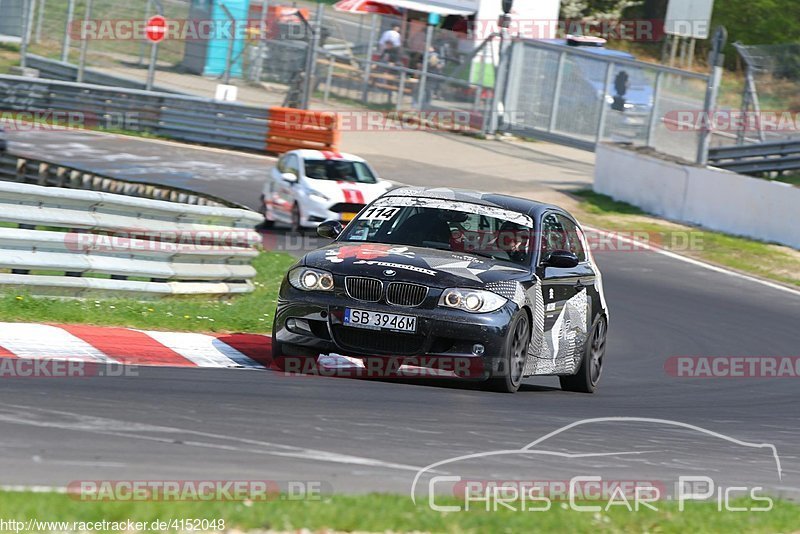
<point>245,313</point>
<point>766,260</point>
<point>396,513</point>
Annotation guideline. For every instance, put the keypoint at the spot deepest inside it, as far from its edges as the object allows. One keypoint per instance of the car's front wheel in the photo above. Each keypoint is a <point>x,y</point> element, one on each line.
<point>507,377</point>
<point>587,377</point>
<point>297,227</point>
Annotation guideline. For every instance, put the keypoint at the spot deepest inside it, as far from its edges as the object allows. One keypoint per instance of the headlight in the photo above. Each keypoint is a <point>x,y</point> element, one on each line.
<point>471,300</point>
<point>308,279</point>
<point>316,196</point>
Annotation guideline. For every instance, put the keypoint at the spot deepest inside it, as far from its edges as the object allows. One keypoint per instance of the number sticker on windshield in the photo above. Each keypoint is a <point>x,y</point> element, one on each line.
<point>379,214</point>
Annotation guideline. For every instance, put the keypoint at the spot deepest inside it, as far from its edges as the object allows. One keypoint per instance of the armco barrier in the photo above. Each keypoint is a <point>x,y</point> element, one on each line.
<point>38,172</point>
<point>77,243</point>
<point>181,117</point>
<point>291,129</point>
<point>59,70</point>
<point>710,197</point>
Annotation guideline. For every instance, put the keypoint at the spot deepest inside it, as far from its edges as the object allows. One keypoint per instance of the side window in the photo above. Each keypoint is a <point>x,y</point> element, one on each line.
<point>553,235</point>
<point>574,243</point>
<point>281,164</point>
<point>291,165</point>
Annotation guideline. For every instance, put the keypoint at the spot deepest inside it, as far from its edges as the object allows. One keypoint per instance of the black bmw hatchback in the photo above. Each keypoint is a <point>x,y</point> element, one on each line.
<point>483,286</point>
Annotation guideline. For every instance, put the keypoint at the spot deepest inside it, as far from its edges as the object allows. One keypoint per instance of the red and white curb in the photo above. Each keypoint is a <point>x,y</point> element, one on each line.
<point>128,346</point>
<point>112,345</point>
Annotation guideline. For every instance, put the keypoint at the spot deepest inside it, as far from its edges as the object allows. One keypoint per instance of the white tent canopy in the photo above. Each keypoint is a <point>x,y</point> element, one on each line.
<point>442,7</point>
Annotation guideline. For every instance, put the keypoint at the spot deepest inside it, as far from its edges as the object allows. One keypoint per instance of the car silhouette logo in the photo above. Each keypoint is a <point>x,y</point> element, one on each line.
<point>389,272</point>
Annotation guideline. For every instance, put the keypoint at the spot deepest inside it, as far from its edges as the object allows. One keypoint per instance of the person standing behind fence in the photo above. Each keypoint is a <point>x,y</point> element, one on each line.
<point>391,36</point>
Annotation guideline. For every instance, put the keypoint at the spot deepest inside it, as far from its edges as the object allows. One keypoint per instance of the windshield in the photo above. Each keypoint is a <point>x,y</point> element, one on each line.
<point>339,170</point>
<point>452,228</point>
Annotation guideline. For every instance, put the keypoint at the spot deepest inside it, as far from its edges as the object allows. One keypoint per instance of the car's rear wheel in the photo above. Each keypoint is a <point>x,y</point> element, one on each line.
<point>507,377</point>
<point>587,377</point>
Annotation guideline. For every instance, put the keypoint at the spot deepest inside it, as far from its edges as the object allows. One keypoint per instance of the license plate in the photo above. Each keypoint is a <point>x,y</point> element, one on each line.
<point>379,320</point>
<point>348,216</point>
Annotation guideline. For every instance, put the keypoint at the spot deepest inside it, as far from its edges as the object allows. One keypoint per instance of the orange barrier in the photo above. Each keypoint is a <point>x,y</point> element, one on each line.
<point>290,129</point>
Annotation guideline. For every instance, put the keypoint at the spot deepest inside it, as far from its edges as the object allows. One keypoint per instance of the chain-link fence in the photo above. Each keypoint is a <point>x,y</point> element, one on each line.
<point>584,97</point>
<point>771,90</point>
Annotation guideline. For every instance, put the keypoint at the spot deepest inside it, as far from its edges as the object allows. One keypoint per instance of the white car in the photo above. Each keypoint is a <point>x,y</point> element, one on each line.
<point>307,187</point>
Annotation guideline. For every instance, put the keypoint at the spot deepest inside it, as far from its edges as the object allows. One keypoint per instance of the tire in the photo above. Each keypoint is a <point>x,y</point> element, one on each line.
<point>587,377</point>
<point>296,228</point>
<point>286,363</point>
<point>508,378</point>
<point>266,223</point>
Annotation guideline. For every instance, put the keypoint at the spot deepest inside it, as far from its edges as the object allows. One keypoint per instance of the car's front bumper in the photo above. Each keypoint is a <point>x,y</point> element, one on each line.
<point>313,212</point>
<point>468,345</point>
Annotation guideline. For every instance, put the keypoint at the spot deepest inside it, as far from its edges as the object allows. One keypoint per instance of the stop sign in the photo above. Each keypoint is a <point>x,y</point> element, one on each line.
<point>156,28</point>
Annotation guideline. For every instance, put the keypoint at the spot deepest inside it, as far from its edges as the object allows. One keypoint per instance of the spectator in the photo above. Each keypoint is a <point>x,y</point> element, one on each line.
<point>391,37</point>
<point>390,54</point>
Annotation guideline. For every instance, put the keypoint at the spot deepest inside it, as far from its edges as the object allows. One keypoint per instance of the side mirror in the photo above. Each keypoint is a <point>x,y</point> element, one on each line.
<point>330,229</point>
<point>563,259</point>
<point>289,177</point>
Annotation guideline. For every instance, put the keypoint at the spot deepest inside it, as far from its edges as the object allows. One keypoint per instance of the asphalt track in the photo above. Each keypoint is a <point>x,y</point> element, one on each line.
<point>368,435</point>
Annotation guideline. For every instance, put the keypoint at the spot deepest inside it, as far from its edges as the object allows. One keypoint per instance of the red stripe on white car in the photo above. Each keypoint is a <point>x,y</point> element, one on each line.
<point>330,154</point>
<point>353,196</point>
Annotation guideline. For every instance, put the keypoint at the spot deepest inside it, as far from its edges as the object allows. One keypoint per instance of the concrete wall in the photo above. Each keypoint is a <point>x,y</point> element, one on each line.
<point>713,198</point>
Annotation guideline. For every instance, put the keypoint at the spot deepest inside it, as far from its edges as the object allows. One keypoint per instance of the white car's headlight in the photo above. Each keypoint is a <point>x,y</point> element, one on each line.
<point>308,279</point>
<point>471,300</point>
<point>316,196</point>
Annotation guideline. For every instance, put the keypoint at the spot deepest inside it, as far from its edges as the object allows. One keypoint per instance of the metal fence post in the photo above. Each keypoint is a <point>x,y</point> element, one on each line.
<point>373,31</point>
<point>601,123</point>
<point>25,37</point>
<point>401,90</point>
<point>311,57</point>
<point>84,42</point>
<point>143,45</point>
<point>720,36</point>
<point>39,20</point>
<point>423,78</point>
<point>262,43</point>
<point>329,78</point>
<point>653,122</point>
<point>557,91</point>
<point>67,29</point>
<point>226,77</point>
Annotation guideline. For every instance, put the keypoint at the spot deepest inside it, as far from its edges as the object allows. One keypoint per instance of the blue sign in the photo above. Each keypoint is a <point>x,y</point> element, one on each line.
<point>434,18</point>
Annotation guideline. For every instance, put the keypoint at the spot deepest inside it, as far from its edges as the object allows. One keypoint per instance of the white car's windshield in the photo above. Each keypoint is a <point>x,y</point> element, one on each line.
<point>339,170</point>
